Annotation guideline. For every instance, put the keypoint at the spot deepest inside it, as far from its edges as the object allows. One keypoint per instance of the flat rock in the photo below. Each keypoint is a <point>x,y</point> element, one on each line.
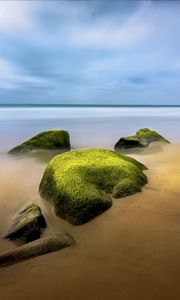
<point>39,247</point>
<point>27,226</point>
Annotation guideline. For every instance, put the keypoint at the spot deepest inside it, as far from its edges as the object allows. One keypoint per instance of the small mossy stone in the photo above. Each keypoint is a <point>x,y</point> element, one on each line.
<point>47,140</point>
<point>143,138</point>
<point>149,136</point>
<point>79,184</point>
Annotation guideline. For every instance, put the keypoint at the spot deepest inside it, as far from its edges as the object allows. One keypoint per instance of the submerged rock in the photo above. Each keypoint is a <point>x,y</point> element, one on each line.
<point>39,247</point>
<point>47,140</point>
<point>80,184</point>
<point>27,226</point>
<point>142,139</point>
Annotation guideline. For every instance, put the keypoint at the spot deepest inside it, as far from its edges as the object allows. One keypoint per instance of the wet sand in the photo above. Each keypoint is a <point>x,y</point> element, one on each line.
<point>132,251</point>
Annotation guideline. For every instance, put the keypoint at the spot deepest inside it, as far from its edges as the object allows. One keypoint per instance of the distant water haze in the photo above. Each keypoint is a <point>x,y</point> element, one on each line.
<point>88,126</point>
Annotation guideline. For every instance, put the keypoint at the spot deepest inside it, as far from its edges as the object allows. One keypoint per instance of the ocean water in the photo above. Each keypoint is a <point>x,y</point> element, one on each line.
<point>88,126</point>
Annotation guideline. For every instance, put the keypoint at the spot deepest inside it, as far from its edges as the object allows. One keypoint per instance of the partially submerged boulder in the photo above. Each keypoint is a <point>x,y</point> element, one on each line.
<point>42,246</point>
<point>27,226</point>
<point>47,140</point>
<point>141,139</point>
<point>80,184</point>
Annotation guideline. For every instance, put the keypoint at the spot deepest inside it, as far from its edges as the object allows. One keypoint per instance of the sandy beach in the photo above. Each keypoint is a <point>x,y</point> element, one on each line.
<point>129,252</point>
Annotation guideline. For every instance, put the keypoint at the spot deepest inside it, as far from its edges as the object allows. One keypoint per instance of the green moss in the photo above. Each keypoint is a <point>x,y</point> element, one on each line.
<point>80,183</point>
<point>47,140</point>
<point>149,136</point>
<point>142,139</point>
<point>126,187</point>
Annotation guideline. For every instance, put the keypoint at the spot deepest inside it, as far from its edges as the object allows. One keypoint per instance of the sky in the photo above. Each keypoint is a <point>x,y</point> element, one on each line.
<point>90,52</point>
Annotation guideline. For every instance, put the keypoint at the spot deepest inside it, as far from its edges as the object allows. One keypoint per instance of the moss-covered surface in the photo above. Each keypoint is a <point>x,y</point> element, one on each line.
<point>126,187</point>
<point>47,140</point>
<point>142,139</point>
<point>80,183</point>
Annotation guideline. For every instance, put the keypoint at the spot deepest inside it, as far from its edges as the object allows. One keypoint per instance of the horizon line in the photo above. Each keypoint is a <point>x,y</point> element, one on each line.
<point>89,105</point>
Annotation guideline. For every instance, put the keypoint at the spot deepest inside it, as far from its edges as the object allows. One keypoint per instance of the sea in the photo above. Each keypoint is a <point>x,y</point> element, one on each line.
<point>88,126</point>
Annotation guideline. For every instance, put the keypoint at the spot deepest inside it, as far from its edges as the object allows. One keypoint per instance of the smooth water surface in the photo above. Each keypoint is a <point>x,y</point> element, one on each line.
<point>88,127</point>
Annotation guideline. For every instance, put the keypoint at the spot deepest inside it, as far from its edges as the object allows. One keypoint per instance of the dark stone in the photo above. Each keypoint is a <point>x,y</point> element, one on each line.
<point>39,247</point>
<point>126,143</point>
<point>27,226</point>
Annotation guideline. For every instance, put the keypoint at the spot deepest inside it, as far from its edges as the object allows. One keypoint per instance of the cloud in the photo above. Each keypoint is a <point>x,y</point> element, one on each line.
<point>12,77</point>
<point>89,51</point>
<point>16,15</point>
<point>7,75</point>
<point>109,34</point>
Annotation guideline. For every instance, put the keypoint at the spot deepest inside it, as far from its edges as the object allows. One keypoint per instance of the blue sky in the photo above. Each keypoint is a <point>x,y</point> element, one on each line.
<point>90,52</point>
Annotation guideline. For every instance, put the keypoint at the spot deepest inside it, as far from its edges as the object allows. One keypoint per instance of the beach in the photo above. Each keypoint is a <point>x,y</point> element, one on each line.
<point>129,252</point>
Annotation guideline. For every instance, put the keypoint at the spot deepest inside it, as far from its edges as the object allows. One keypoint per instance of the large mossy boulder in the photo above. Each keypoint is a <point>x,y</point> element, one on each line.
<point>47,140</point>
<point>80,184</point>
<point>141,139</point>
<point>27,226</point>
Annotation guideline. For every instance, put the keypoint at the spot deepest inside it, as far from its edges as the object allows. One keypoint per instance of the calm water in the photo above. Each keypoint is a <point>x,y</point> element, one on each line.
<point>130,252</point>
<point>88,127</point>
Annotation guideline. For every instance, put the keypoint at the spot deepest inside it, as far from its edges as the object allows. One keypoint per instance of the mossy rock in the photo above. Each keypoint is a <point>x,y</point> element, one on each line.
<point>80,184</point>
<point>141,139</point>
<point>47,140</point>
